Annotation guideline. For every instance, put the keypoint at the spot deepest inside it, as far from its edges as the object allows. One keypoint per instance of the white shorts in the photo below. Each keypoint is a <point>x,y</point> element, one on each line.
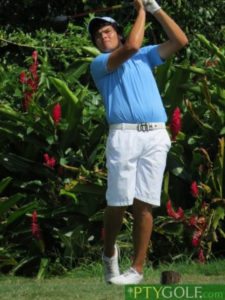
<point>136,162</point>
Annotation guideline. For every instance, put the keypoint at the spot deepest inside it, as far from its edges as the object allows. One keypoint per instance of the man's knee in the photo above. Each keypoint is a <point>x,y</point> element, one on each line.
<point>142,206</point>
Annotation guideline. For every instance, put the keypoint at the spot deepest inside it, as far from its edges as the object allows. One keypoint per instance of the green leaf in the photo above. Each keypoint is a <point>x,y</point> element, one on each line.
<point>162,75</point>
<point>212,47</point>
<point>176,166</point>
<point>90,189</point>
<point>177,171</point>
<point>174,94</point>
<point>20,164</point>
<point>10,202</point>
<point>222,131</point>
<point>69,194</point>
<point>93,51</point>
<point>7,112</point>
<point>72,112</point>
<point>219,215</point>
<point>75,71</point>
<point>64,90</point>
<point>4,183</point>
<point>51,139</point>
<point>36,183</point>
<point>42,272</point>
<point>21,212</point>
<point>22,263</point>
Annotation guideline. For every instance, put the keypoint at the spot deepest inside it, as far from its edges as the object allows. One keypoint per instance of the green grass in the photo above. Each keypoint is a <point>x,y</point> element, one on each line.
<point>86,282</point>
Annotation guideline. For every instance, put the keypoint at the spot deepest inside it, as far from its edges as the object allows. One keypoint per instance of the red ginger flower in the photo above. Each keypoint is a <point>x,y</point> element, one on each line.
<point>201,257</point>
<point>196,238</point>
<point>202,222</point>
<point>57,113</point>
<point>170,211</point>
<point>27,99</point>
<point>33,71</point>
<point>32,84</point>
<point>204,205</point>
<point>175,125</point>
<point>193,220</point>
<point>35,56</point>
<point>35,226</point>
<point>34,217</point>
<point>194,189</point>
<point>31,80</point>
<point>34,66</point>
<point>23,77</point>
<point>49,161</point>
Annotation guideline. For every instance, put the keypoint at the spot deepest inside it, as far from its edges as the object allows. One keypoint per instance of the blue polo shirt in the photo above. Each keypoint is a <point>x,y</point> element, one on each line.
<point>130,93</point>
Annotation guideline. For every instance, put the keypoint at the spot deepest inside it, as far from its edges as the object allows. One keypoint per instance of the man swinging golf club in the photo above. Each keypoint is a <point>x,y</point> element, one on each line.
<point>138,141</point>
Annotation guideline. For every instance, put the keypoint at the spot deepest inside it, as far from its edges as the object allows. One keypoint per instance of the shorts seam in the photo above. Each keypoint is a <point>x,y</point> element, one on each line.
<point>118,204</point>
<point>147,200</point>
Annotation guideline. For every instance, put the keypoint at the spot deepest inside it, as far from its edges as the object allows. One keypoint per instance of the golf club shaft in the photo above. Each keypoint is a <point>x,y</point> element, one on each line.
<point>99,10</point>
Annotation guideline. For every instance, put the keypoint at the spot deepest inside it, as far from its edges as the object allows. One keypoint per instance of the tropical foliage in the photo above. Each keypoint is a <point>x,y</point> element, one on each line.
<point>51,152</point>
<point>196,162</point>
<point>52,163</point>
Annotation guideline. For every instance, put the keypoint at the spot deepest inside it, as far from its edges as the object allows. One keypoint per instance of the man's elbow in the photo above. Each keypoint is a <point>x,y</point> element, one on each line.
<point>183,42</point>
<point>132,47</point>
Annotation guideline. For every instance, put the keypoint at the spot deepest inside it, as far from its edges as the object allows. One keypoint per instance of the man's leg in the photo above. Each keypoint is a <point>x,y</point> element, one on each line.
<point>141,234</point>
<point>113,219</point>
<point>142,230</point>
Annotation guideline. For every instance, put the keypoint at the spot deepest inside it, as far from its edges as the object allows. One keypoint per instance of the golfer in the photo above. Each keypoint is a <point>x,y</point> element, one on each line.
<point>138,141</point>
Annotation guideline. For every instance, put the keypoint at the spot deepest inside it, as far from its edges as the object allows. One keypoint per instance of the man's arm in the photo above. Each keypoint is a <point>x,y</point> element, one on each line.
<point>177,38</point>
<point>133,42</point>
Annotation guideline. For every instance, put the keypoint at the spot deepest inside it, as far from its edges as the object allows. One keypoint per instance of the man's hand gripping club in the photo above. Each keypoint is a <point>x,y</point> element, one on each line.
<point>151,6</point>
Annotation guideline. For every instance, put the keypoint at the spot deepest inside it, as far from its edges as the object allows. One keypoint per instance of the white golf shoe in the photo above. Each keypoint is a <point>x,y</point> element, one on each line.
<point>111,266</point>
<point>131,276</point>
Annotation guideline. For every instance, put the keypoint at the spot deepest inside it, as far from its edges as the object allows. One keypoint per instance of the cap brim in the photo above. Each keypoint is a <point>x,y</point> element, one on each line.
<point>98,20</point>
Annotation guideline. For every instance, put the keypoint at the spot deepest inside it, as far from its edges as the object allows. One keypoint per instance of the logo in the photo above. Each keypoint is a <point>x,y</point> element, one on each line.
<point>175,292</point>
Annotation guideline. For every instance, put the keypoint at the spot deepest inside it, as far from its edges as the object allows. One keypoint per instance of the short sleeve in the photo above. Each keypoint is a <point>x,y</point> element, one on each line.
<point>99,66</point>
<point>152,52</point>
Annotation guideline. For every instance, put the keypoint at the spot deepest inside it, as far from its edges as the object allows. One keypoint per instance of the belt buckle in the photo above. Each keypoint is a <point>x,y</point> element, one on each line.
<point>144,127</point>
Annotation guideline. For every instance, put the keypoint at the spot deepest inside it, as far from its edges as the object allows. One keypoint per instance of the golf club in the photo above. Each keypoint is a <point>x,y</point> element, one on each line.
<point>60,23</point>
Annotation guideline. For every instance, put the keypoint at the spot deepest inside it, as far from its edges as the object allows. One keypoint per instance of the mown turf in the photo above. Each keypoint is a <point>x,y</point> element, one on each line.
<point>86,282</point>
